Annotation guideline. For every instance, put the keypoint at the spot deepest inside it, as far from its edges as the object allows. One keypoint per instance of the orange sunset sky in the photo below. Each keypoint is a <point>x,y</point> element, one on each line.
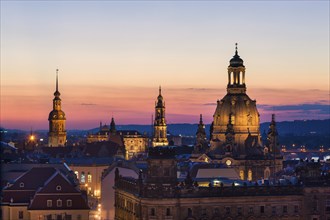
<point>112,56</point>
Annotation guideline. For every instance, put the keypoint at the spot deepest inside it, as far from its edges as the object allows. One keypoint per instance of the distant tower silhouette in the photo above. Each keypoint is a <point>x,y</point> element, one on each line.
<point>201,141</point>
<point>113,126</point>
<point>57,132</point>
<point>160,127</point>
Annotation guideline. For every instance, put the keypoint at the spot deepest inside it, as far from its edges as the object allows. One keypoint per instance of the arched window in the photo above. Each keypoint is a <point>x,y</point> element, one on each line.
<point>267,173</point>
<point>241,174</point>
<point>77,174</point>
<point>82,179</point>
<point>250,175</point>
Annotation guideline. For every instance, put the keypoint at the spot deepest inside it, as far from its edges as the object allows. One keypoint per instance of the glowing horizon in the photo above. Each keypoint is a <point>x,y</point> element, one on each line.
<point>112,57</point>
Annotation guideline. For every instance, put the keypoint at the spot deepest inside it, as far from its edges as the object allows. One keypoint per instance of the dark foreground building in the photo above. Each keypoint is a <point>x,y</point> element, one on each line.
<point>158,195</point>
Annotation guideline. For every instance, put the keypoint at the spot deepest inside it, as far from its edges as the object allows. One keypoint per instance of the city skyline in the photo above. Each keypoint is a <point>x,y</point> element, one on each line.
<point>112,57</point>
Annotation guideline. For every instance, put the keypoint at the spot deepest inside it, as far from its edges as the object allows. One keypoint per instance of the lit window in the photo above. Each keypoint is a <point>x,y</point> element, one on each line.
<point>241,174</point>
<point>82,179</point>
<point>59,203</point>
<point>21,185</point>
<point>250,175</point>
<point>58,188</point>
<point>69,203</point>
<point>49,203</point>
<point>77,174</point>
<point>89,178</point>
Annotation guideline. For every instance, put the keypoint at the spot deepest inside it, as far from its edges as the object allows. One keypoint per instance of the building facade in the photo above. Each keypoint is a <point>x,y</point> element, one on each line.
<point>160,127</point>
<point>44,193</point>
<point>57,130</point>
<point>160,196</point>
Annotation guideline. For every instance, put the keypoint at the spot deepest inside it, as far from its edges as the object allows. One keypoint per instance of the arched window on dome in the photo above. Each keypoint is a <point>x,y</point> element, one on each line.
<point>232,117</point>
<point>249,175</point>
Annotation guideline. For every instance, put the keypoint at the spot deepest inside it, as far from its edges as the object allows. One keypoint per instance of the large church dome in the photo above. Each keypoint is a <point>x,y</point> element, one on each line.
<point>235,126</point>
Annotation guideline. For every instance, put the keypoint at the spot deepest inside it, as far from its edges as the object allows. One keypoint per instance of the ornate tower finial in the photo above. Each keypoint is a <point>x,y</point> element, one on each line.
<point>56,79</point>
<point>201,119</point>
<point>160,90</point>
<point>236,53</point>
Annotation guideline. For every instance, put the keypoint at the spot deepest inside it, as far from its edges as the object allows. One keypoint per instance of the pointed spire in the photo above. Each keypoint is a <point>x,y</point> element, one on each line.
<point>201,119</point>
<point>57,93</point>
<point>56,79</point>
<point>236,53</point>
<point>160,90</point>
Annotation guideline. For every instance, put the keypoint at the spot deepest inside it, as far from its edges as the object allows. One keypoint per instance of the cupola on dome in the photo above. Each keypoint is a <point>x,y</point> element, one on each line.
<point>236,61</point>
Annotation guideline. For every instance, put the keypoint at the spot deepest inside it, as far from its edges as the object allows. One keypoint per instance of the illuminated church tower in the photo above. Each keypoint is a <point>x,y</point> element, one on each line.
<point>57,132</point>
<point>235,127</point>
<point>160,128</point>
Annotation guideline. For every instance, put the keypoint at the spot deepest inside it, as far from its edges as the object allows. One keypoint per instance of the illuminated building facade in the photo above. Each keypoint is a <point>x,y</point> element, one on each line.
<point>135,143</point>
<point>235,136</point>
<point>160,127</point>
<point>57,131</point>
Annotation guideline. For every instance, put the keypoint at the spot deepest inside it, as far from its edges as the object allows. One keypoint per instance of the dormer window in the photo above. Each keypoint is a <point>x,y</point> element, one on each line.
<point>21,185</point>
<point>59,203</point>
<point>58,188</point>
<point>49,203</point>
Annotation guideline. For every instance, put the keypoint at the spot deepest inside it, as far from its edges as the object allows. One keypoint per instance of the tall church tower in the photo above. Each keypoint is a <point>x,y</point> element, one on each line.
<point>57,132</point>
<point>160,127</point>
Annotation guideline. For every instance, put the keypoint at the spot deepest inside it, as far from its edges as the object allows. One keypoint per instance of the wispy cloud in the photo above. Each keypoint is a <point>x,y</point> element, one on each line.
<point>210,103</point>
<point>319,108</point>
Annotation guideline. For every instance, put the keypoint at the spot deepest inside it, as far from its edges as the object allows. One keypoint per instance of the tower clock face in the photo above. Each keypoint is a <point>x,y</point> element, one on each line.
<point>228,162</point>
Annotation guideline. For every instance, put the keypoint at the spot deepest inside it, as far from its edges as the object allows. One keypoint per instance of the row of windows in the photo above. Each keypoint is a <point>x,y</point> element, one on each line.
<point>83,177</point>
<point>59,203</point>
<point>59,217</point>
<point>239,210</point>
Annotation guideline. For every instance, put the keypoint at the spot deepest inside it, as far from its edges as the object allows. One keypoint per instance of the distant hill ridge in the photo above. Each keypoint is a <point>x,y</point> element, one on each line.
<point>297,127</point>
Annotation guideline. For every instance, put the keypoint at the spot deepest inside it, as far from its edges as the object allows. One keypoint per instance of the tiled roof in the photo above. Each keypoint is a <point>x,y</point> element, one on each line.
<point>40,184</point>
<point>33,179</point>
<point>101,149</point>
